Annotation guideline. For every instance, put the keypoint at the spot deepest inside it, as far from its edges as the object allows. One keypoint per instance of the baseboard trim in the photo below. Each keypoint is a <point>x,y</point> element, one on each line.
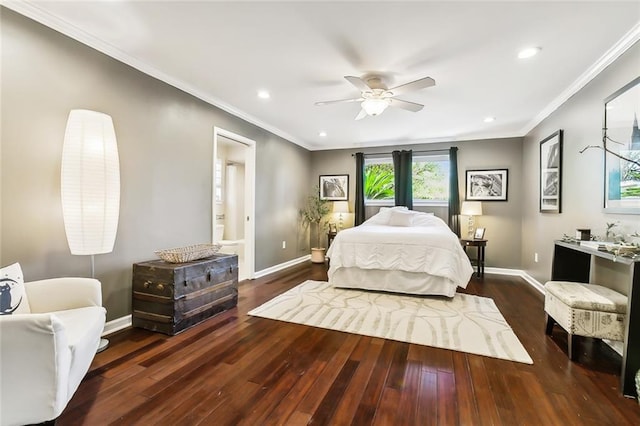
<point>281,266</point>
<point>518,273</point>
<point>116,325</point>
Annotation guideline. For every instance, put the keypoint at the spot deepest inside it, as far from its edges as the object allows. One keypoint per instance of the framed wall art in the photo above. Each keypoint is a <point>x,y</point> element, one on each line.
<point>334,187</point>
<point>621,143</point>
<point>551,173</point>
<point>487,185</point>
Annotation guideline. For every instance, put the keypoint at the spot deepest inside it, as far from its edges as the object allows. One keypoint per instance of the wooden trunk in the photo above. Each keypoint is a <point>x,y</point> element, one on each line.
<point>171,297</point>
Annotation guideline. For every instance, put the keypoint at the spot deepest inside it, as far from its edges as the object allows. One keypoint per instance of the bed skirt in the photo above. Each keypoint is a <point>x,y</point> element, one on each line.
<point>392,281</point>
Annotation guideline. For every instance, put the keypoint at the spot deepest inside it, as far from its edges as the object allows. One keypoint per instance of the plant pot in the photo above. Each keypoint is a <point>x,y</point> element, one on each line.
<point>317,255</point>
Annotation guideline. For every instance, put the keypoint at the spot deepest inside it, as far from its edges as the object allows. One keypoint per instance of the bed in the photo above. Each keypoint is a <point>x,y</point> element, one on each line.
<point>400,251</point>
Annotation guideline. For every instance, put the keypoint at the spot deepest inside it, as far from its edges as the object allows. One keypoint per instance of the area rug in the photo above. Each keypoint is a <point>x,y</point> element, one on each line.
<point>464,323</point>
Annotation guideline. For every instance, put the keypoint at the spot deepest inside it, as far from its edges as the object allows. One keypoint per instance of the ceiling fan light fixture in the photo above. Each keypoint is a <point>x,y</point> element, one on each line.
<point>529,52</point>
<point>375,106</point>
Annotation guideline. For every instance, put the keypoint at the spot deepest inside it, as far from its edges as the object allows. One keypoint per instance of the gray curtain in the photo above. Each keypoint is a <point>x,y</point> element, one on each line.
<point>454,192</point>
<point>359,203</point>
<point>402,169</point>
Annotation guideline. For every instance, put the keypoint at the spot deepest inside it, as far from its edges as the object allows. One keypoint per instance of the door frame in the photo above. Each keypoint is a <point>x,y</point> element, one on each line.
<point>249,194</point>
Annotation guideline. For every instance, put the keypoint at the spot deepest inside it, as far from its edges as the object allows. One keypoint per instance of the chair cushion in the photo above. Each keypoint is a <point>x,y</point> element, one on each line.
<point>13,297</point>
<point>590,297</point>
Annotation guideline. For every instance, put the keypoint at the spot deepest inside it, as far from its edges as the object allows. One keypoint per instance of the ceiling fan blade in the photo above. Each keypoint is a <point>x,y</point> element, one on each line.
<point>358,82</point>
<point>362,114</point>
<point>340,101</point>
<point>423,83</point>
<point>409,106</point>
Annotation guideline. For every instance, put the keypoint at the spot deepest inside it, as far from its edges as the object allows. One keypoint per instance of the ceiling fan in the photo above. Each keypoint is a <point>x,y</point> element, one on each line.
<point>376,97</point>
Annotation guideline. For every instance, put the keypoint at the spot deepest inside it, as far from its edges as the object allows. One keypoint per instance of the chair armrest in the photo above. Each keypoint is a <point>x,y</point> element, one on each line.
<point>59,294</point>
<point>35,361</point>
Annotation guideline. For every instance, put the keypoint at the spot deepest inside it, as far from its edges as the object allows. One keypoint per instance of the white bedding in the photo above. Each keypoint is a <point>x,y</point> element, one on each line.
<point>421,248</point>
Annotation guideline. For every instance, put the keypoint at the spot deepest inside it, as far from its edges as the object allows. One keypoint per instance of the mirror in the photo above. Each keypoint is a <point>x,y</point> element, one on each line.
<point>621,142</point>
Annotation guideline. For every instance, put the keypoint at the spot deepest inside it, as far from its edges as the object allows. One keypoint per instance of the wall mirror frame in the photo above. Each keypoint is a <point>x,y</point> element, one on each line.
<point>621,143</point>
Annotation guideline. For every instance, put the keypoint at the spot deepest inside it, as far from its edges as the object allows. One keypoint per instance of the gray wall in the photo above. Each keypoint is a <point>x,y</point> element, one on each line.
<point>502,220</point>
<point>581,118</point>
<point>165,145</point>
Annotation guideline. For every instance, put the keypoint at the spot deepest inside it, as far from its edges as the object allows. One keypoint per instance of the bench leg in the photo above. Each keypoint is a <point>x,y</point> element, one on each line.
<point>549,327</point>
<point>571,341</point>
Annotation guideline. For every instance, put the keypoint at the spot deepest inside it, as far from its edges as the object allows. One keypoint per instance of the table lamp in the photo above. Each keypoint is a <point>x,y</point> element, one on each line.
<point>471,209</point>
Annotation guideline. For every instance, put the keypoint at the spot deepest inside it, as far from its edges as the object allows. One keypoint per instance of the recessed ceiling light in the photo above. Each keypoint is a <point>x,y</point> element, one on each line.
<point>322,134</point>
<point>489,119</point>
<point>263,94</point>
<point>529,52</point>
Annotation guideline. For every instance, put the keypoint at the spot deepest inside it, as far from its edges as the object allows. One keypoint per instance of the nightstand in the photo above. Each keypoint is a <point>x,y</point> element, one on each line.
<point>330,237</point>
<point>480,246</point>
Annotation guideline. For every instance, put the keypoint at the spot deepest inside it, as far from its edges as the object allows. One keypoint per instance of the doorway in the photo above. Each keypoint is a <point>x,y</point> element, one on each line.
<point>233,198</point>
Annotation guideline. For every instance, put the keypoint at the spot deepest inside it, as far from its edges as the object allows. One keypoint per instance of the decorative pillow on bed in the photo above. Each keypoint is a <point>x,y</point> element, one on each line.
<point>13,298</point>
<point>401,218</point>
<point>383,215</point>
<point>427,219</point>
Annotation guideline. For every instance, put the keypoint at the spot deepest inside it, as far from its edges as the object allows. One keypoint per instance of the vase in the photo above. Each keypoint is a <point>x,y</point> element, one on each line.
<point>317,255</point>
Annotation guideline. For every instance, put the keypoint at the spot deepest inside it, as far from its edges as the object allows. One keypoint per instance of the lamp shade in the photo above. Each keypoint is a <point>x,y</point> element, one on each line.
<point>90,183</point>
<point>375,106</point>
<point>471,208</point>
<point>341,207</point>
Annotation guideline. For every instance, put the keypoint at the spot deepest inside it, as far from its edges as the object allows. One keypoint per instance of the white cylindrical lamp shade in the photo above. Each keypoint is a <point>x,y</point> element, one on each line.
<point>90,183</point>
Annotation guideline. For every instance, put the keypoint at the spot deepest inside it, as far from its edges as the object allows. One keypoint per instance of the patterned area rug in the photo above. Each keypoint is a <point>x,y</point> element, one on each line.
<point>465,323</point>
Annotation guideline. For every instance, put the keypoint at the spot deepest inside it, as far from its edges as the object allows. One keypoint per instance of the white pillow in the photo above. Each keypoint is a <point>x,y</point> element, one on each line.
<point>383,215</point>
<point>428,219</point>
<point>401,218</point>
<point>13,297</point>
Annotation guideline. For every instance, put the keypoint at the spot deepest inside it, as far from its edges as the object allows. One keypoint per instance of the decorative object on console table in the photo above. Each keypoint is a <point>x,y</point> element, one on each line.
<point>487,185</point>
<point>480,246</point>
<point>90,186</point>
<point>334,187</point>
<point>171,297</point>
<point>471,209</point>
<point>551,173</point>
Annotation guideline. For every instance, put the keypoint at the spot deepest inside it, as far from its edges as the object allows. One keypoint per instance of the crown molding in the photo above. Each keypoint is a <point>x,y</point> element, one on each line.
<point>628,40</point>
<point>32,11</point>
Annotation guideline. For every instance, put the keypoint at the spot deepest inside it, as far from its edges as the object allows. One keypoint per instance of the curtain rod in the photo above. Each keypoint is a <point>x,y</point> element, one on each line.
<point>445,150</point>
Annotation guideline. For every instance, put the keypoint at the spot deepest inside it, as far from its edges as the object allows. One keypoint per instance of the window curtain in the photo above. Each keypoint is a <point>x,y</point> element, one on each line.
<point>454,192</point>
<point>359,204</point>
<point>402,169</point>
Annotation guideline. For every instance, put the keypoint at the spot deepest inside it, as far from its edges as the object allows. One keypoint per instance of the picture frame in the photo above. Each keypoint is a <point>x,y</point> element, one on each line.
<point>550,173</point>
<point>334,187</point>
<point>621,142</point>
<point>487,185</point>
<point>478,234</point>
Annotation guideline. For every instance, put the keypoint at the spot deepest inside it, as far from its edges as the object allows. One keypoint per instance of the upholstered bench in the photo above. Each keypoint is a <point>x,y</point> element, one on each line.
<point>585,310</point>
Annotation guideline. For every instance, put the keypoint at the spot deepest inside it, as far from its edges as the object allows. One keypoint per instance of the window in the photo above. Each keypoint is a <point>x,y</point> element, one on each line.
<point>430,180</point>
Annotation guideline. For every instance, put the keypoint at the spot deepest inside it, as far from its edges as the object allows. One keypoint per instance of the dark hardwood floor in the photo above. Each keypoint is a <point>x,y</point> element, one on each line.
<point>236,369</point>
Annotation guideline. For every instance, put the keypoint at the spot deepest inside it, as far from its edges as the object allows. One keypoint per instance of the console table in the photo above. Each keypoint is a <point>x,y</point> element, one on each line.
<point>572,262</point>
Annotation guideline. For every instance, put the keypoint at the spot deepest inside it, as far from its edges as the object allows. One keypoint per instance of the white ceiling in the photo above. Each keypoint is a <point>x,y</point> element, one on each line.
<point>224,52</point>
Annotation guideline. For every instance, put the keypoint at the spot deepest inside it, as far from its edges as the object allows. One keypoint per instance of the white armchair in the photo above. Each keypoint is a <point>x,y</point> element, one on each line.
<point>45,354</point>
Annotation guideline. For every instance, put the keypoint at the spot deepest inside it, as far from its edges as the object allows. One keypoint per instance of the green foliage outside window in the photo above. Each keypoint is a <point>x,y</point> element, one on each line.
<point>430,180</point>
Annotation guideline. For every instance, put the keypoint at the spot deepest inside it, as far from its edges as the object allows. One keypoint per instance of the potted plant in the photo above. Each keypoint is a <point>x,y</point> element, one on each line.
<point>313,213</point>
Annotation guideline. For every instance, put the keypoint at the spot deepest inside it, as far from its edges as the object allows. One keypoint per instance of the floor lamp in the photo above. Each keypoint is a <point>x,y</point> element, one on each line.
<point>90,186</point>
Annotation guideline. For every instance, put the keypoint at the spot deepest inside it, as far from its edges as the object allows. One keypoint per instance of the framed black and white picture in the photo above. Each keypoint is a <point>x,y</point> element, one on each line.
<point>334,187</point>
<point>478,234</point>
<point>551,173</point>
<point>487,185</point>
